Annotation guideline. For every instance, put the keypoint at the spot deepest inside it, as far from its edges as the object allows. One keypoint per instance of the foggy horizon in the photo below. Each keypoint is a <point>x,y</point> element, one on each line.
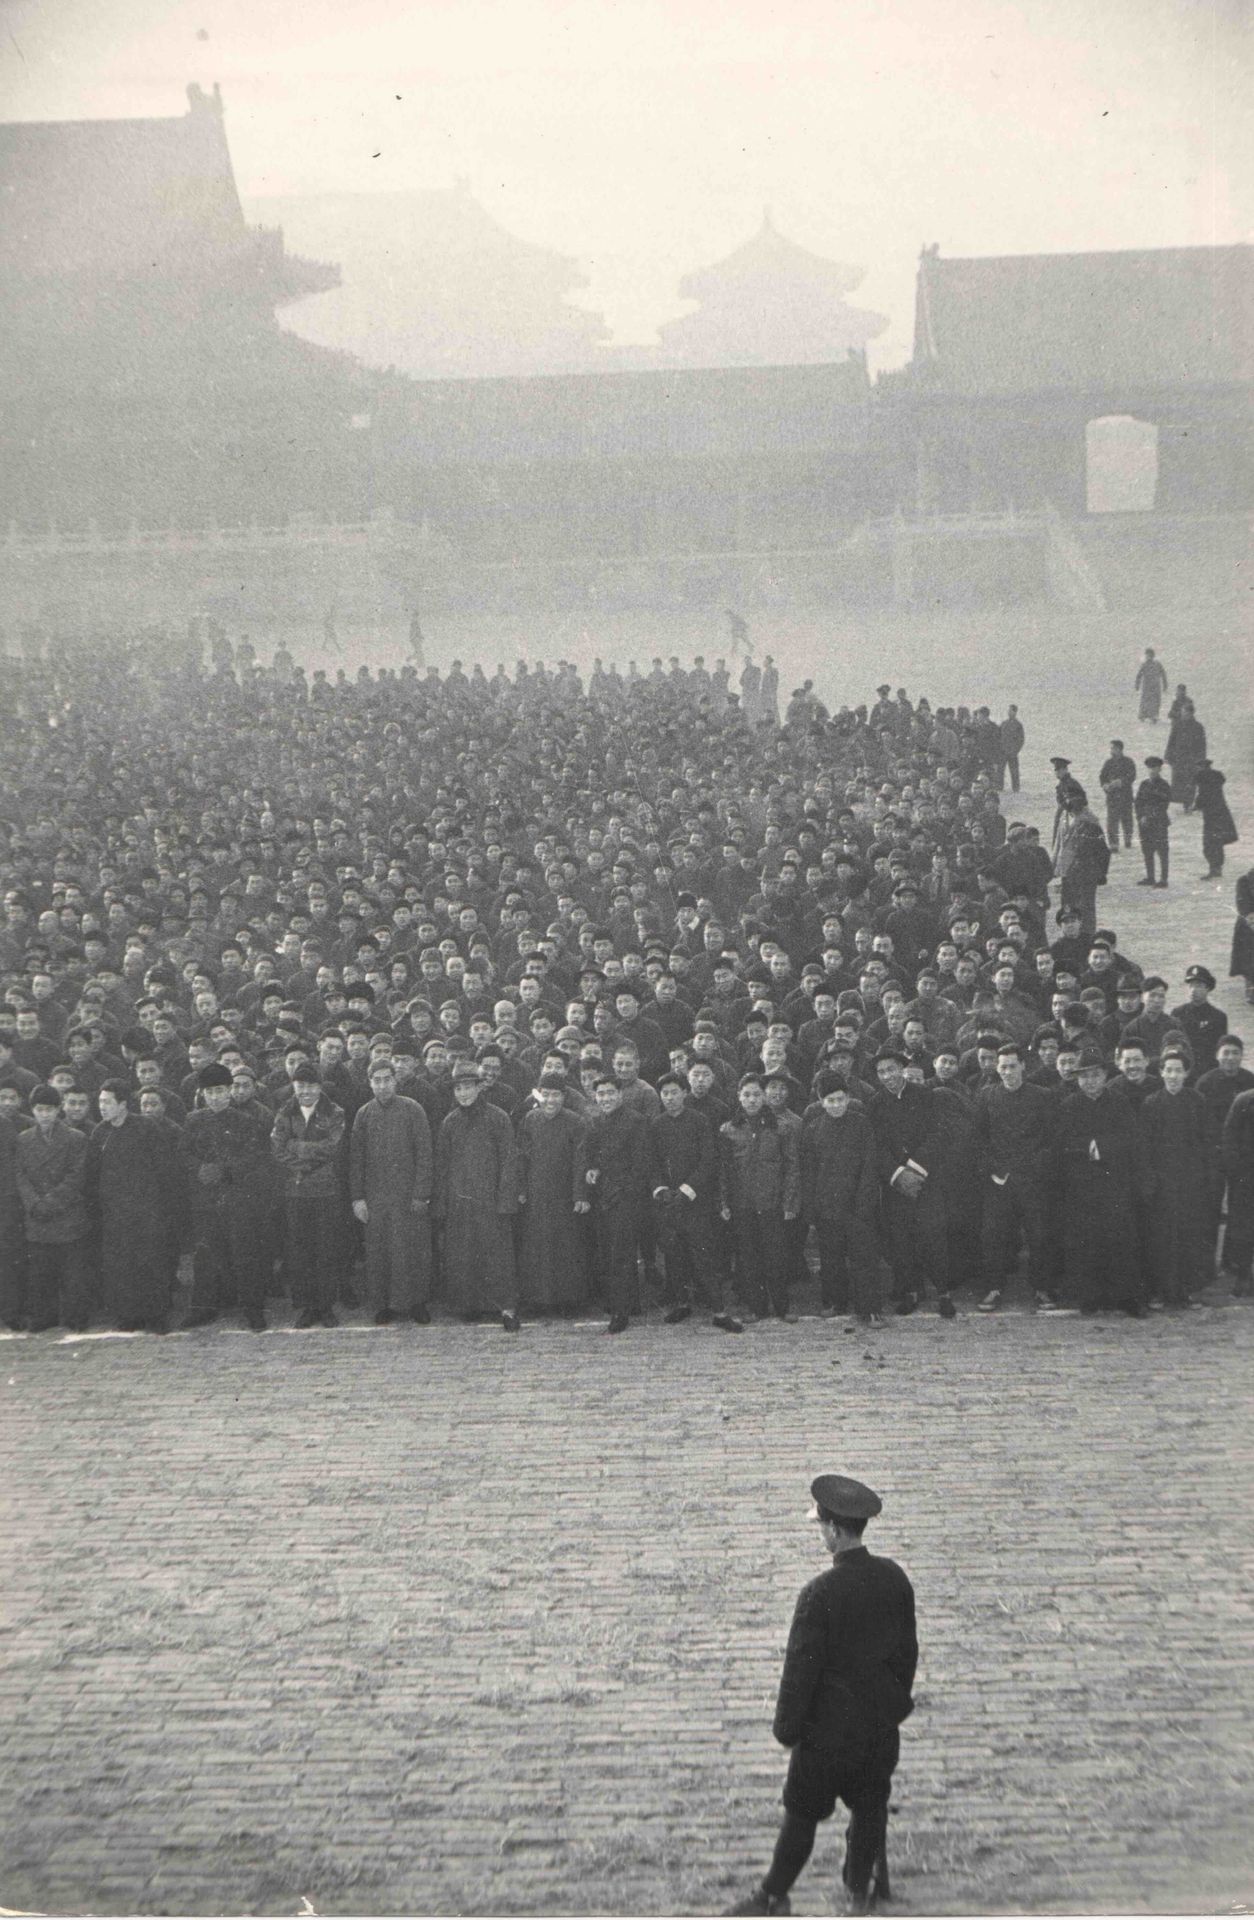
<point>991,131</point>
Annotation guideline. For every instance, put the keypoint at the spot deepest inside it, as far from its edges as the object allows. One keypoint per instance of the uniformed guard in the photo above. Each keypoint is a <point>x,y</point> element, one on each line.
<point>1153,820</point>
<point>845,1690</point>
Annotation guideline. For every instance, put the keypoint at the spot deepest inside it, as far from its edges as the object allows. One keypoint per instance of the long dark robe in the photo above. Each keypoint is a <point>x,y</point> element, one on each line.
<point>476,1195</point>
<point>134,1184</point>
<point>552,1267</point>
<point>1177,1145</point>
<point>1186,750</point>
<point>1241,963</point>
<point>1102,1160</point>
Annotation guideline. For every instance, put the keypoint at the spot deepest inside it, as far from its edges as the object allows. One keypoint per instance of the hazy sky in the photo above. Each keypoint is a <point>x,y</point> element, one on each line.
<point>645,136</point>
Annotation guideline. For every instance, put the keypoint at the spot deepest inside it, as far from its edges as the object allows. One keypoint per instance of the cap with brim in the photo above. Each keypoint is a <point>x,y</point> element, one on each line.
<point>843,1498</point>
<point>1199,976</point>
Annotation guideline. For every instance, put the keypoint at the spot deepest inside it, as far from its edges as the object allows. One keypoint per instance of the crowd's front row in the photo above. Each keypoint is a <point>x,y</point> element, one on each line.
<point>1116,1187</point>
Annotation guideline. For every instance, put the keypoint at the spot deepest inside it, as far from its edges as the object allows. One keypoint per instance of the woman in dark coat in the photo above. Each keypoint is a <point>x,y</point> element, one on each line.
<point>135,1189</point>
<point>1218,826</point>
<point>1186,752</point>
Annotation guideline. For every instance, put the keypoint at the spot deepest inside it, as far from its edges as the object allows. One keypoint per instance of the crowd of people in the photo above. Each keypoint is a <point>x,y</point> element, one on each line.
<point>509,996</point>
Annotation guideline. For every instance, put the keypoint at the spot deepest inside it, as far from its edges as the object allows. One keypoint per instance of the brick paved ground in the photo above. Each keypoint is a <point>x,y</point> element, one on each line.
<point>439,1621</point>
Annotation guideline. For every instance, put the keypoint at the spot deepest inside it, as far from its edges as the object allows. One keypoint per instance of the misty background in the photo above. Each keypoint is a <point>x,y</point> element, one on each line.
<point>641,142</point>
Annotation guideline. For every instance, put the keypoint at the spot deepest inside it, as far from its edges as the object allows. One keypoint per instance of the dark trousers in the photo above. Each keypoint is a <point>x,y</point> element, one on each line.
<point>1012,768</point>
<point>914,1231</point>
<point>846,1243</point>
<point>314,1255</point>
<point>13,1271</point>
<point>1012,1212</point>
<point>1213,850</point>
<point>689,1243</point>
<point>618,1232</point>
<point>860,1773</point>
<point>1154,846</point>
<point>761,1260</point>
<point>1238,1256</point>
<point>1119,818</point>
<point>58,1284</point>
<point>229,1261</point>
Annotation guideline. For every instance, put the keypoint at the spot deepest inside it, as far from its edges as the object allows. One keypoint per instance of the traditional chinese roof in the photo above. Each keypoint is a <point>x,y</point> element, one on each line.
<point>770,302</point>
<point>435,286</point>
<point>1171,317</point>
<point>142,203</point>
<point>769,259</point>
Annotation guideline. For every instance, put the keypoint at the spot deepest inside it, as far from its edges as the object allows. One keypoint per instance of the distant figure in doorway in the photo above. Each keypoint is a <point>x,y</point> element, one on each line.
<point>1151,683</point>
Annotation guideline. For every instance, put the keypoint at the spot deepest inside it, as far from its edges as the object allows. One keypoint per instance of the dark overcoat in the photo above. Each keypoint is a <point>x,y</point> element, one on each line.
<point>136,1189</point>
<point>551,1259</point>
<point>852,1653</point>
<point>476,1196</point>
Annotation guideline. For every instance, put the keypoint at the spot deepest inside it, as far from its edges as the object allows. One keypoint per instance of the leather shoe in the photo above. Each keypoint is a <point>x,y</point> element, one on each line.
<point>618,1323</point>
<point>728,1322</point>
<point>510,1321</point>
<point>674,1315</point>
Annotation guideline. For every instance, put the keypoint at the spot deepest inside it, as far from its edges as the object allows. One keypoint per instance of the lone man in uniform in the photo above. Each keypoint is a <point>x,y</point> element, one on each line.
<point>1153,819</point>
<point>845,1690</point>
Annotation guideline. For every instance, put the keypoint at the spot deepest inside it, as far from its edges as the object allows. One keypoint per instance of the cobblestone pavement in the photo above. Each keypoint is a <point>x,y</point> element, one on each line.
<point>438,1621</point>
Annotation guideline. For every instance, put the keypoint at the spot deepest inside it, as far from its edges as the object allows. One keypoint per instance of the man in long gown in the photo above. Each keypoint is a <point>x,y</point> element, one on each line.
<point>476,1197</point>
<point>390,1178</point>
<point>552,1269</point>
<point>1151,684</point>
<point>135,1185</point>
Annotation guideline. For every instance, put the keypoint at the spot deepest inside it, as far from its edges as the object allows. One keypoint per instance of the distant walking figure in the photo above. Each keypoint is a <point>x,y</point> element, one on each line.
<point>738,629</point>
<point>417,648</point>
<point>1151,682</point>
